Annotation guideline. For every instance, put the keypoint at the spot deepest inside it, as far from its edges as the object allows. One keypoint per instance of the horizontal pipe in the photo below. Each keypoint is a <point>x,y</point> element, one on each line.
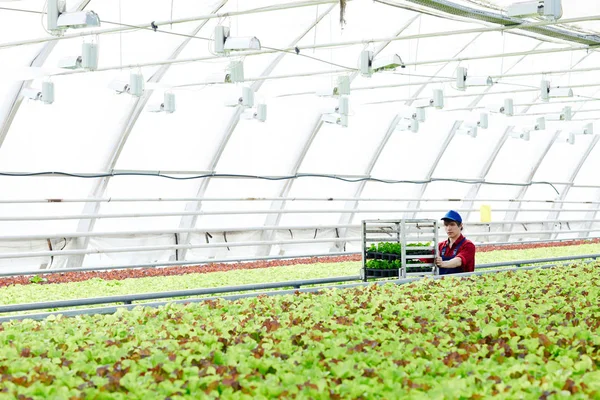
<point>483,94</point>
<point>110,310</point>
<point>331,45</point>
<point>239,288</point>
<point>166,295</point>
<point>255,212</point>
<point>541,260</point>
<point>529,242</point>
<point>262,52</point>
<point>58,253</point>
<point>175,264</point>
<point>149,25</point>
<point>272,77</point>
<point>238,259</point>
<point>69,235</point>
<point>417,236</point>
<point>501,76</point>
<point>529,233</point>
<point>288,199</point>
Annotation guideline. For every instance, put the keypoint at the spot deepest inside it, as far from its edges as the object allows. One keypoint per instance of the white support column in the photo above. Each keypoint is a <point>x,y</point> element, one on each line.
<point>298,163</point>
<point>190,222</point>
<point>87,225</point>
<point>556,208</point>
<point>512,215</point>
<point>38,61</point>
<point>474,189</point>
<point>347,218</point>
<point>275,219</point>
<point>421,190</point>
<point>591,216</point>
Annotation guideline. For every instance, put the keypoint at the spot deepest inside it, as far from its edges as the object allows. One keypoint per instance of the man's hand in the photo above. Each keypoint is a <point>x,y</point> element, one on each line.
<point>438,261</point>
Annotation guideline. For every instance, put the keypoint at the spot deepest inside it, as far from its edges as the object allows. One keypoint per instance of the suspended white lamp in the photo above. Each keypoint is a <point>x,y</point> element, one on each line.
<point>547,9</point>
<point>370,64</point>
<point>59,20</point>
<point>463,80</point>
<point>547,92</point>
<point>224,43</point>
<point>44,95</point>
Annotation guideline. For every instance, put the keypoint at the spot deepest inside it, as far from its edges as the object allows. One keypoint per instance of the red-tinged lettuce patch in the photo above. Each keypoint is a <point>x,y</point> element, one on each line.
<point>220,267</point>
<point>167,271</point>
<point>529,334</point>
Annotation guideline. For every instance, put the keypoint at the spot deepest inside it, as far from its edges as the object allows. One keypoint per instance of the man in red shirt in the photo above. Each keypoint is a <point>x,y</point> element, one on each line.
<point>457,254</point>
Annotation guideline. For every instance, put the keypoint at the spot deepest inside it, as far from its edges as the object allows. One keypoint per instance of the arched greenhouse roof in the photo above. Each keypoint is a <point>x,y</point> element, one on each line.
<point>405,109</point>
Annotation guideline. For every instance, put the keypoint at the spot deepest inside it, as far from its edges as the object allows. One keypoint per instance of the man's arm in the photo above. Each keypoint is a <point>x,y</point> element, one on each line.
<point>454,263</point>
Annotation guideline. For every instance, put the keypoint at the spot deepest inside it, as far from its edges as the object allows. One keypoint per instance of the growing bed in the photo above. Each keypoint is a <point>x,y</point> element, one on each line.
<point>531,334</point>
<point>117,283</point>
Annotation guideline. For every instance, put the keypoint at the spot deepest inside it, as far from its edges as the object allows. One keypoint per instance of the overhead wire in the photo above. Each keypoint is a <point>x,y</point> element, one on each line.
<point>299,53</point>
<point>296,52</point>
<point>276,178</point>
<point>137,27</point>
<point>21,10</point>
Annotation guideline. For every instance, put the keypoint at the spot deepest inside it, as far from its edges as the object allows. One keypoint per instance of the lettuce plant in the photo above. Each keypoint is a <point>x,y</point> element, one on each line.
<point>527,334</point>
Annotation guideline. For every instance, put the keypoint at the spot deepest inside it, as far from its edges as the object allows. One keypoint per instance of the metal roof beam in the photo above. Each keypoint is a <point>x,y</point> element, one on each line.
<point>99,188</point>
<point>452,8</point>
<point>354,205</point>
<point>275,220</point>
<point>152,24</point>
<point>190,222</point>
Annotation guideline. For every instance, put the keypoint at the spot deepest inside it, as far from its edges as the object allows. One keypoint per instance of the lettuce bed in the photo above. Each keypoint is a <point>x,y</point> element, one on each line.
<point>526,334</point>
<point>518,251</point>
<point>96,287</point>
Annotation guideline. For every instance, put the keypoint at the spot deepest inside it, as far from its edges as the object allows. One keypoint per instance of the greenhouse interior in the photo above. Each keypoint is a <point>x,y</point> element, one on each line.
<point>345,199</point>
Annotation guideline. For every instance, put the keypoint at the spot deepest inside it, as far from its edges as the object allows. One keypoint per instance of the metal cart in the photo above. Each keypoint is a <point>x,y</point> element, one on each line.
<point>405,232</point>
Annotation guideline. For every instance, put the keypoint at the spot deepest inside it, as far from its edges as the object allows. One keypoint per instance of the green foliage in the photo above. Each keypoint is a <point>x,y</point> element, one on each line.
<point>37,279</point>
<point>529,334</point>
<point>96,287</point>
<point>396,250</point>
<point>539,252</point>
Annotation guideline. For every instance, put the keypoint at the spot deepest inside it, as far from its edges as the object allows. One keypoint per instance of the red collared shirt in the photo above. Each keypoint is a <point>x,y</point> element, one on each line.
<point>466,253</point>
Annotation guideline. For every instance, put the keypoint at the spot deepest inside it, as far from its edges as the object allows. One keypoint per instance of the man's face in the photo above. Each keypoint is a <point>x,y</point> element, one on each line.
<point>452,229</point>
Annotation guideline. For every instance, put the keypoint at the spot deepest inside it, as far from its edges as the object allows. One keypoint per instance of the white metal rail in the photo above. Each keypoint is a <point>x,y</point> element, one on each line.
<point>254,212</point>
<point>259,289</point>
<point>258,199</point>
<point>214,245</point>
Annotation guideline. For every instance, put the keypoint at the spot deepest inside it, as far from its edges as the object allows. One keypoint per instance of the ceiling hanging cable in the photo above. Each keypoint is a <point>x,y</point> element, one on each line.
<point>21,10</point>
<point>120,39</point>
<point>331,32</point>
<point>418,40</point>
<point>172,1</point>
<point>297,51</point>
<point>524,25</point>
<point>570,67</point>
<point>42,21</point>
<point>158,174</point>
<point>503,51</point>
<point>237,19</point>
<point>315,28</point>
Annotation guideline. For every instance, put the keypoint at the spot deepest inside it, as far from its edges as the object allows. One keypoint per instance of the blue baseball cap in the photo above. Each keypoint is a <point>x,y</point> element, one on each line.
<point>453,216</point>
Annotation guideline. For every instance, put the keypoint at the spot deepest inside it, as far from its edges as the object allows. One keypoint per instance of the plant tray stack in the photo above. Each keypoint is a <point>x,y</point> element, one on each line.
<point>399,248</point>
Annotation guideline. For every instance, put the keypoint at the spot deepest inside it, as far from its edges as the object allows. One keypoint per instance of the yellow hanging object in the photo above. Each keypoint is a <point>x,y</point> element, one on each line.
<point>485,212</point>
